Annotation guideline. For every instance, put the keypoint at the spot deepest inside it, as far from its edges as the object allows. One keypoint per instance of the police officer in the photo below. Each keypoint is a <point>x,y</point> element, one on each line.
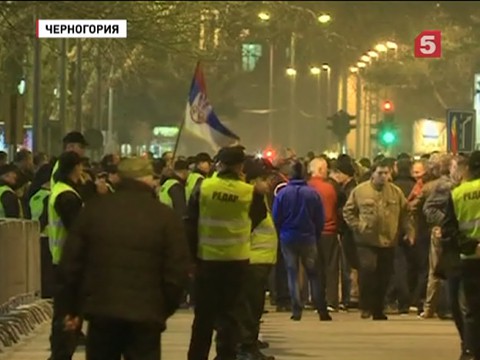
<point>64,206</point>
<point>462,225</point>
<point>172,190</point>
<point>202,167</point>
<point>38,205</point>
<point>219,224</point>
<point>10,206</point>
<point>263,255</point>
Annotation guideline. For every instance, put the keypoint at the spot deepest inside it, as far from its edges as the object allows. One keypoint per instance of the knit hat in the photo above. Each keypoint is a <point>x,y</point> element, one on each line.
<point>344,165</point>
<point>474,161</point>
<point>134,168</point>
<point>44,174</point>
<point>8,168</point>
<point>232,155</point>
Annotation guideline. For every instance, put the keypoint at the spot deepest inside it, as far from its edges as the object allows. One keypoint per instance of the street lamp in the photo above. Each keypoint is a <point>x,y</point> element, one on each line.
<point>315,70</point>
<point>361,65</point>
<point>326,67</point>
<point>291,72</point>
<point>391,45</point>
<point>353,69</point>
<point>373,54</point>
<point>381,48</point>
<point>264,16</point>
<point>324,19</point>
<point>366,58</point>
<point>22,85</point>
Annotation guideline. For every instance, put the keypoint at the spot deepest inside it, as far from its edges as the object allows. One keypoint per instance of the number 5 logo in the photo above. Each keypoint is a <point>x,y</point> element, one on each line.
<point>428,44</point>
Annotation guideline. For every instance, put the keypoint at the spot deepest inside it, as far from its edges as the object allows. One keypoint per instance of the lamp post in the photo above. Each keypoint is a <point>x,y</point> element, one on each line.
<point>326,67</point>
<point>316,71</point>
<point>265,17</point>
<point>292,73</point>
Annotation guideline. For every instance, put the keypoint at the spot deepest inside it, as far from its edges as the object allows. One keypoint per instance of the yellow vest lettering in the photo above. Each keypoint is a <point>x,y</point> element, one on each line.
<point>466,202</point>
<point>224,223</point>
<point>224,196</point>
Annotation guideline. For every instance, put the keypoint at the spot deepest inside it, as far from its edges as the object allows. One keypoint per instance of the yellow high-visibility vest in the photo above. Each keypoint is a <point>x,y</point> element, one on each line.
<point>264,242</point>
<point>163,195</point>
<point>224,222</point>
<point>191,182</point>
<point>57,233</point>
<point>466,202</point>
<point>37,208</point>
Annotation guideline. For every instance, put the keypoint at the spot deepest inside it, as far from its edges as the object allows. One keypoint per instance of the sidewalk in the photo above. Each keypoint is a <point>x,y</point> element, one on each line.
<point>346,338</point>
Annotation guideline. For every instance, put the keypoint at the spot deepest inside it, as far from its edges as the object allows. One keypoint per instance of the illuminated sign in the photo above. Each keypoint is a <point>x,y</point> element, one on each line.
<point>166,131</point>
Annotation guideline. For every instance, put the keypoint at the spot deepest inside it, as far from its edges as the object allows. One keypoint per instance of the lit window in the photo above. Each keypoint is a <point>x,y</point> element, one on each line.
<point>250,55</point>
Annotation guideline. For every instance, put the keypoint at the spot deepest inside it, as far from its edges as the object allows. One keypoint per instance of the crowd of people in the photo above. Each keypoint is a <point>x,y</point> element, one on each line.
<point>125,242</point>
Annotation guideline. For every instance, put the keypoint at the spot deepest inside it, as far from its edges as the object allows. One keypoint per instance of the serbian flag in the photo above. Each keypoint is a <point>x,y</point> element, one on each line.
<point>454,137</point>
<point>200,119</point>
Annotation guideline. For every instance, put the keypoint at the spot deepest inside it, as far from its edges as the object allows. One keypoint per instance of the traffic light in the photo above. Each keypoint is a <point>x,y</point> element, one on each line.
<point>339,124</point>
<point>387,106</point>
<point>387,130</point>
<point>388,137</point>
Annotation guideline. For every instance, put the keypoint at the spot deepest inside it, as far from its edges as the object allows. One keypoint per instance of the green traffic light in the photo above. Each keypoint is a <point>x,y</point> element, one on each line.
<point>388,137</point>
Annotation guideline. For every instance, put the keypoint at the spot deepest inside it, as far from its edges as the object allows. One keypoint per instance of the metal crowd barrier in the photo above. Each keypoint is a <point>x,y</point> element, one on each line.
<point>21,308</point>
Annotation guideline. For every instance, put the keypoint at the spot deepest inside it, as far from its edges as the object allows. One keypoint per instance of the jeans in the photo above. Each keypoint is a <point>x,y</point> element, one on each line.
<point>437,293</point>
<point>330,266</point>
<point>399,289</point>
<point>346,272</point>
<point>280,283</point>
<point>422,254</point>
<point>307,254</point>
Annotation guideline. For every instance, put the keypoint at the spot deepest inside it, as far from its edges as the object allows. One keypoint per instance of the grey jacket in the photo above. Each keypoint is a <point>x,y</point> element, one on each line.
<point>436,202</point>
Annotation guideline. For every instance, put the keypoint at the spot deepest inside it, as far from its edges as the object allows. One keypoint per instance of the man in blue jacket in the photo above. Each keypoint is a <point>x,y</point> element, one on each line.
<point>299,218</point>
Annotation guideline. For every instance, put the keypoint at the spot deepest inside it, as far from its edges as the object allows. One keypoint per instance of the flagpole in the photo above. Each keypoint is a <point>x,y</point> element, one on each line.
<point>182,124</point>
<point>177,141</point>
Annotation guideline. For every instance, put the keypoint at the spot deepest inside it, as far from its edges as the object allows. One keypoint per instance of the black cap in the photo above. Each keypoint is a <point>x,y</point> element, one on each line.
<point>44,174</point>
<point>255,168</point>
<point>75,137</point>
<point>67,162</point>
<point>474,161</point>
<point>8,168</point>
<point>203,157</point>
<point>180,165</point>
<point>344,164</point>
<point>232,155</point>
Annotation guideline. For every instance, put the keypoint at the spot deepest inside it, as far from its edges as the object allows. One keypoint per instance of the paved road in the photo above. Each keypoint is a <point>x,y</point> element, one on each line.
<point>347,337</point>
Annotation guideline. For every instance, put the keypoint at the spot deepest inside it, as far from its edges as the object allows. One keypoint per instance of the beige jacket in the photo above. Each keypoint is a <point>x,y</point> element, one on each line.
<point>377,217</point>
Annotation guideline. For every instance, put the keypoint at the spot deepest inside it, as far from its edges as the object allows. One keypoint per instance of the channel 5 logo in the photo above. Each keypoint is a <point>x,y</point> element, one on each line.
<point>428,44</point>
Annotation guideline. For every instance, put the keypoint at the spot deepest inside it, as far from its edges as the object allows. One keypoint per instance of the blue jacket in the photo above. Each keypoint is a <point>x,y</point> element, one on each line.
<point>298,213</point>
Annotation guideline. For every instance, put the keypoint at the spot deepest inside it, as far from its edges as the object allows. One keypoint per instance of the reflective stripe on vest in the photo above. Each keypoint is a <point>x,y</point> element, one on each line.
<point>37,208</point>
<point>110,188</point>
<point>191,182</point>
<point>466,202</point>
<point>224,222</point>
<point>163,195</point>
<point>52,178</point>
<point>264,242</point>
<point>4,189</point>
<point>56,230</point>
